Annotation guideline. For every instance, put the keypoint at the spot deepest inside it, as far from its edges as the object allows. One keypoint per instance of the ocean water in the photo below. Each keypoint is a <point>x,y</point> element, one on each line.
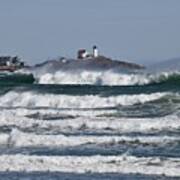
<point>89,125</point>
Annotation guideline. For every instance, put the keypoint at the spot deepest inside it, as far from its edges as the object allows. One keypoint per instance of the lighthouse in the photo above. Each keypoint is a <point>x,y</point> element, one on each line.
<point>95,51</point>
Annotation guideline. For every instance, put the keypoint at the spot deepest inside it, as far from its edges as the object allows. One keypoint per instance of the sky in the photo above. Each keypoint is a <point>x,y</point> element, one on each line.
<point>142,31</point>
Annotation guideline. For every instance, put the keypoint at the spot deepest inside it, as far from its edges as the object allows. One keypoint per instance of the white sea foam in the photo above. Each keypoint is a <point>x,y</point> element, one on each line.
<point>20,139</point>
<point>4,138</point>
<point>32,99</point>
<point>100,124</point>
<point>40,113</point>
<point>93,164</point>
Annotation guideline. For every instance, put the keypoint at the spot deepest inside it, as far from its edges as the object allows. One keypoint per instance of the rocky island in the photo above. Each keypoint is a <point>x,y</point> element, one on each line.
<point>88,61</point>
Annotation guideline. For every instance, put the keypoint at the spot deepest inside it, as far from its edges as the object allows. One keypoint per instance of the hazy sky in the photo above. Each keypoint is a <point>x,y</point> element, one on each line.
<point>137,30</point>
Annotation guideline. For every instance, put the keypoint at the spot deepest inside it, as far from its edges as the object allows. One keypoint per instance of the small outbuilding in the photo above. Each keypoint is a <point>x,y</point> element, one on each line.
<point>82,53</point>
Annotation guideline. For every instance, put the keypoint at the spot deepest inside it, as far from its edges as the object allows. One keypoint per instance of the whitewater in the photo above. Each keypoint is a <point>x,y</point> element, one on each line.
<point>89,124</point>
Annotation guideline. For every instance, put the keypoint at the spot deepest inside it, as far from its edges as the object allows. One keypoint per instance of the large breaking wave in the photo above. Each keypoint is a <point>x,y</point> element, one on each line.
<point>107,78</point>
<point>49,74</point>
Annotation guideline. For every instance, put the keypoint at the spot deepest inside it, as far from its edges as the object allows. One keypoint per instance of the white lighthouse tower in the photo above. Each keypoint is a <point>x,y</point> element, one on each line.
<point>95,51</point>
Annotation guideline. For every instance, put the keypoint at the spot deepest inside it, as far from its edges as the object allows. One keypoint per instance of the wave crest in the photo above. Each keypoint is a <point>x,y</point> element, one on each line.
<point>32,99</point>
<point>108,77</point>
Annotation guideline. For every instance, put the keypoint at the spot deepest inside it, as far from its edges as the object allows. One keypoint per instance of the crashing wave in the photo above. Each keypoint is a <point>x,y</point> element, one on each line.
<point>93,164</point>
<point>108,78</point>
<point>104,144</point>
<point>33,99</point>
<point>92,77</point>
<point>16,118</point>
<point>21,139</point>
<point>50,74</point>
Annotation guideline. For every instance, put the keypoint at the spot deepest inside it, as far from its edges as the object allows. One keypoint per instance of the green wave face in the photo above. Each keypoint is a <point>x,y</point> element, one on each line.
<point>173,79</point>
<point>16,79</point>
